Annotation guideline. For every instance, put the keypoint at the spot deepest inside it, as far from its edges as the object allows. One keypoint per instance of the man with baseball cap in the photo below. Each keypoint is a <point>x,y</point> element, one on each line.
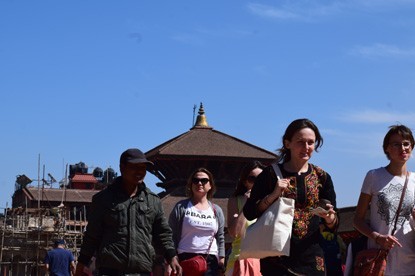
<point>59,261</point>
<point>124,222</point>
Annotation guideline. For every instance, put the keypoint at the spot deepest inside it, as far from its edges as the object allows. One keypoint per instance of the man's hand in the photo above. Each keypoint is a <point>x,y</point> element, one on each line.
<point>176,269</point>
<point>79,271</point>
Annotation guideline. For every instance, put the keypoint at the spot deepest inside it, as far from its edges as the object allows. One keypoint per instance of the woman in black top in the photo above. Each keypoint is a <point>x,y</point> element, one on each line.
<point>311,187</point>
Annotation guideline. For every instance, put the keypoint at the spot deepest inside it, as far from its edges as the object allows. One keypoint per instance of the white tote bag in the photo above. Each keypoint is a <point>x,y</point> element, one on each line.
<point>270,235</point>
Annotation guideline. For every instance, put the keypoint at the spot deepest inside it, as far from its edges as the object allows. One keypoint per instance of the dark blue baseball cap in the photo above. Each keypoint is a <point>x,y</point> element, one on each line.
<point>134,156</point>
<point>58,242</point>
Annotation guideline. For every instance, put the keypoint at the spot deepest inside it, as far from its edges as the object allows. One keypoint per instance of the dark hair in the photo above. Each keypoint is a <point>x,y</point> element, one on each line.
<point>246,170</point>
<point>189,191</point>
<point>402,130</point>
<point>296,125</point>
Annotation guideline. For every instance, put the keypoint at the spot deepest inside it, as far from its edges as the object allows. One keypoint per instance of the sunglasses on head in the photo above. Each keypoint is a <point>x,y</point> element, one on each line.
<point>203,181</point>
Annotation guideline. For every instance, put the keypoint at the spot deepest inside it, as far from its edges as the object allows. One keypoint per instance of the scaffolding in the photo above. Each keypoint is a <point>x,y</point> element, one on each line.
<point>27,234</point>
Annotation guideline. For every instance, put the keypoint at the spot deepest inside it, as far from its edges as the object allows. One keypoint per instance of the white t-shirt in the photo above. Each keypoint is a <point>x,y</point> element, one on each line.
<point>198,229</point>
<point>386,191</point>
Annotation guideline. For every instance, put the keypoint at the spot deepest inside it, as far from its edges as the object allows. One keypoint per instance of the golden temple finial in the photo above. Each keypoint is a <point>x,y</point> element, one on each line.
<point>201,118</point>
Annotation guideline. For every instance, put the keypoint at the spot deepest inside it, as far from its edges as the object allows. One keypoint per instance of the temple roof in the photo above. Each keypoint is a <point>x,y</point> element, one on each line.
<point>210,143</point>
<point>203,141</point>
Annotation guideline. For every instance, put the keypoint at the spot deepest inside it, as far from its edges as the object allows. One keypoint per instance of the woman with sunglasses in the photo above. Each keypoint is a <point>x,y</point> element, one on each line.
<point>311,187</point>
<point>198,224</point>
<point>381,190</point>
<point>237,222</point>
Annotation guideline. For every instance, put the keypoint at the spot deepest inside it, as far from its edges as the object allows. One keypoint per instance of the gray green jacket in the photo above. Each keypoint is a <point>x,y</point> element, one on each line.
<point>176,221</point>
<point>121,230</point>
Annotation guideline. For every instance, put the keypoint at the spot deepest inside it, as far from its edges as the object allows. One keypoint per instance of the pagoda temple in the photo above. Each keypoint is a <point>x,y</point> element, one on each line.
<point>202,146</point>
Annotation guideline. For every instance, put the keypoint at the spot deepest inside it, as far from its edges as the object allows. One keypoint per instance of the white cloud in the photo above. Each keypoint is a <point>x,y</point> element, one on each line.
<point>383,3</point>
<point>272,12</point>
<point>200,36</point>
<point>224,32</point>
<point>383,51</point>
<point>374,116</point>
<point>297,10</point>
<point>307,10</point>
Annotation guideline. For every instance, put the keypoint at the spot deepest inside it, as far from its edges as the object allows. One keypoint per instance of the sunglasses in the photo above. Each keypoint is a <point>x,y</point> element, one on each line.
<point>251,178</point>
<point>203,181</point>
<point>399,145</point>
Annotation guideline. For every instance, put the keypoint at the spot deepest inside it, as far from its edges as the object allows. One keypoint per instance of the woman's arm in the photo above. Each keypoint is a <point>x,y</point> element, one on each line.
<point>331,219</point>
<point>385,241</point>
<point>236,219</point>
<point>267,201</point>
<point>259,190</point>
<point>220,235</point>
<point>175,222</point>
<point>359,221</point>
<point>265,191</point>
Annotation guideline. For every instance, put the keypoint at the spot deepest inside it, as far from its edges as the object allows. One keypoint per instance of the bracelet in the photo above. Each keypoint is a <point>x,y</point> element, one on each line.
<point>266,199</point>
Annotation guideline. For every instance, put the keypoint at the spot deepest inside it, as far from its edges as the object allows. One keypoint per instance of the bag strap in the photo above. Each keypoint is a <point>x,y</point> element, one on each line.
<point>213,234</point>
<point>277,170</point>
<point>278,173</point>
<point>400,202</point>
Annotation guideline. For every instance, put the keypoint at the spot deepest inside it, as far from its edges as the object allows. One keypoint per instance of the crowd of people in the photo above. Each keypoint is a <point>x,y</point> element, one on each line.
<point>127,226</point>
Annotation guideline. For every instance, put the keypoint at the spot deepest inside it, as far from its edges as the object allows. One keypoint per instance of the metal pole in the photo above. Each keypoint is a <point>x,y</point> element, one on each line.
<point>26,229</point>
<point>38,182</point>
<point>39,218</point>
<point>4,230</point>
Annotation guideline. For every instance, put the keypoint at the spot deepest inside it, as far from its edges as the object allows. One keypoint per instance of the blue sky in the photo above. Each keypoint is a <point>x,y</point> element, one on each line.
<point>84,80</point>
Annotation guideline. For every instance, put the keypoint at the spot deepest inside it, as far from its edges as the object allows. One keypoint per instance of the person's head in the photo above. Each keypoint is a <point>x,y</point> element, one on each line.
<point>59,243</point>
<point>201,183</point>
<point>398,140</point>
<point>247,178</point>
<point>301,138</point>
<point>133,165</point>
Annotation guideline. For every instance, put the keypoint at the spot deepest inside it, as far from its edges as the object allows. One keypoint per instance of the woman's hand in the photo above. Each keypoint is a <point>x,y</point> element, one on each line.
<point>387,241</point>
<point>280,186</point>
<point>328,214</point>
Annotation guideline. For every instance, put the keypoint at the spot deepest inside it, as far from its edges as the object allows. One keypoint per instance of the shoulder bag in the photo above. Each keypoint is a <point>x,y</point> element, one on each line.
<point>196,265</point>
<point>270,235</point>
<point>372,262</point>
